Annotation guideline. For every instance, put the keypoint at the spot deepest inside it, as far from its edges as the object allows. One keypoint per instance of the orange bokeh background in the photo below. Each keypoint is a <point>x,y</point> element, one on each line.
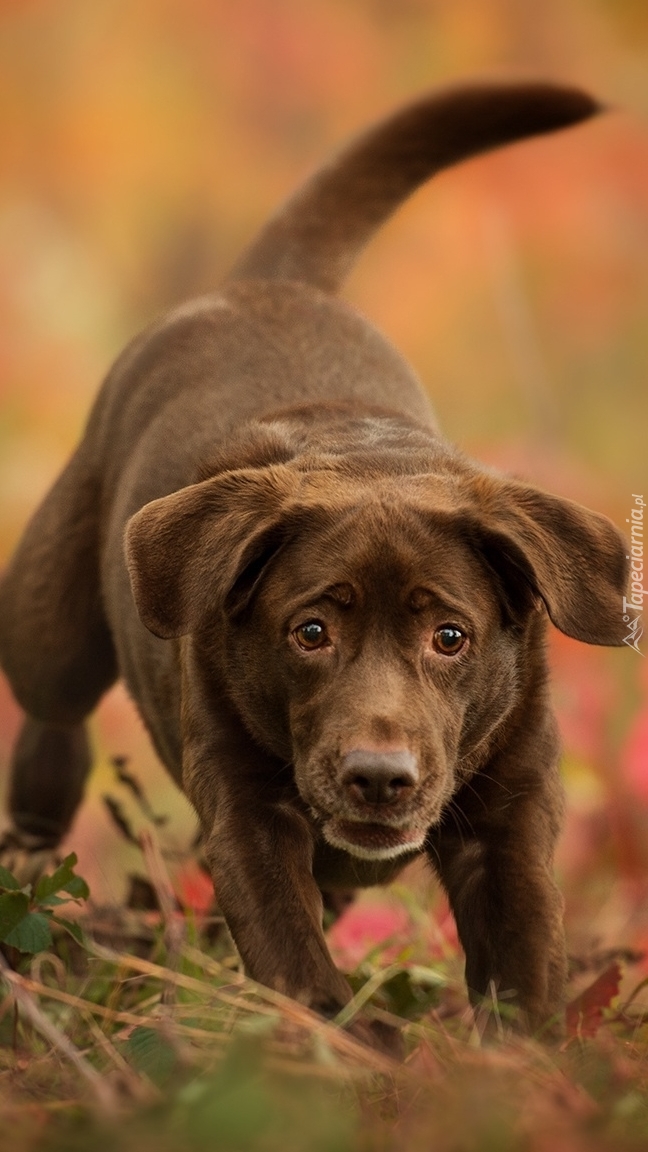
<point>143,143</point>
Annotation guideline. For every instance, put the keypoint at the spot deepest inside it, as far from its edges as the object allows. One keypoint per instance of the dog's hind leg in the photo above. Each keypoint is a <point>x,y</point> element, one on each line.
<point>49,769</point>
<point>57,651</point>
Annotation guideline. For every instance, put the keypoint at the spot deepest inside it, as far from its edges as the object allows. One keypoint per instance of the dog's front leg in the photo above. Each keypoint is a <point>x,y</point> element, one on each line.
<point>259,846</point>
<point>260,855</point>
<point>499,879</point>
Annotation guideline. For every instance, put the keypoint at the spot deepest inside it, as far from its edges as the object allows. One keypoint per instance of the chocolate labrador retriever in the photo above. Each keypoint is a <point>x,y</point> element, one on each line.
<point>332,622</point>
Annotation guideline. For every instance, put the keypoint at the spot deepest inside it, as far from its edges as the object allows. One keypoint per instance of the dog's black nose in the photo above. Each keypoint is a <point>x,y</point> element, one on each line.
<point>379,777</point>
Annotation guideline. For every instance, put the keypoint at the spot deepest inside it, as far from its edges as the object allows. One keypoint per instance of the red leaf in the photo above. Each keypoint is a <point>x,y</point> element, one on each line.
<point>584,1015</point>
<point>195,889</point>
<point>364,927</point>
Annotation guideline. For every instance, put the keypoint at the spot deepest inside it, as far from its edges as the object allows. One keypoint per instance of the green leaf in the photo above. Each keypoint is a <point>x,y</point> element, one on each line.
<point>77,888</point>
<point>48,885</point>
<point>53,901</point>
<point>8,880</point>
<point>70,926</point>
<point>151,1054</point>
<point>14,906</point>
<point>408,996</point>
<point>32,934</point>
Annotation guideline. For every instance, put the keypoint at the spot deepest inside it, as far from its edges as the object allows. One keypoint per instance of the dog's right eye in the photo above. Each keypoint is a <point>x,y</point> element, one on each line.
<point>311,635</point>
<point>448,640</point>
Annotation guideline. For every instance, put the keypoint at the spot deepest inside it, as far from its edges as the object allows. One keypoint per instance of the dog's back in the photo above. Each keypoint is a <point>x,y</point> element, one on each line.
<point>274,335</point>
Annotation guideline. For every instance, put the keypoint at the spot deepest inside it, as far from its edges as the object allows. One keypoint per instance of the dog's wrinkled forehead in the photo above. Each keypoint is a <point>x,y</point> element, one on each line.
<point>383,549</point>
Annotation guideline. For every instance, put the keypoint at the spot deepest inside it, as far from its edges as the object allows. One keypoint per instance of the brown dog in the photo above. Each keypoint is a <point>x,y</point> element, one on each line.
<point>331,622</point>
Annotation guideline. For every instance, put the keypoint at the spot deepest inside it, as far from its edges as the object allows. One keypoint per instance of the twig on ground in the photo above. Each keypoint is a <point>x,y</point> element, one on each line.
<point>174,922</point>
<point>112,1014</point>
<point>104,1094</point>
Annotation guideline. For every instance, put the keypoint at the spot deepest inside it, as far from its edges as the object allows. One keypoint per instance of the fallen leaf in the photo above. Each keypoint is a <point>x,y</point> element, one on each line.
<point>584,1014</point>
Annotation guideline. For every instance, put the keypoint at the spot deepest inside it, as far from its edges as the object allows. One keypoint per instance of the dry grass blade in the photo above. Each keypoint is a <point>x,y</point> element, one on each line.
<point>215,968</point>
<point>159,877</point>
<point>357,1003</point>
<point>85,1006</point>
<point>159,972</point>
<point>104,1094</point>
<point>174,922</point>
<point>337,1039</point>
<point>138,1088</point>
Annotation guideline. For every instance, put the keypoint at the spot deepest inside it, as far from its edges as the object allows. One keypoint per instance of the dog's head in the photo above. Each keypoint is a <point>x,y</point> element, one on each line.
<point>374,630</point>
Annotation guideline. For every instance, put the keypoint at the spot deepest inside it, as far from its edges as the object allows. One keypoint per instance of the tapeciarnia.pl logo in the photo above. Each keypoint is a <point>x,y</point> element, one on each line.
<point>633,603</point>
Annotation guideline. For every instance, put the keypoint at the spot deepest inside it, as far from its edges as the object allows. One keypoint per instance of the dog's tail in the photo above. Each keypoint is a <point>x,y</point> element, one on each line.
<point>320,231</point>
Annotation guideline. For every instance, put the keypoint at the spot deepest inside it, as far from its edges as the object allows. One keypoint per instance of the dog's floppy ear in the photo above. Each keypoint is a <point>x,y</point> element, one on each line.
<point>574,559</point>
<point>203,547</point>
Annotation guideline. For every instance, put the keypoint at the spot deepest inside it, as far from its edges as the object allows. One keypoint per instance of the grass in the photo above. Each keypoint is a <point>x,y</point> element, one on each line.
<point>159,1042</point>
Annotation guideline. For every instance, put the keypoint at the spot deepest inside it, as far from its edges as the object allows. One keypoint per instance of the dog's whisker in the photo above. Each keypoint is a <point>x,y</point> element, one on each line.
<point>457,815</point>
<point>493,780</point>
<point>467,784</point>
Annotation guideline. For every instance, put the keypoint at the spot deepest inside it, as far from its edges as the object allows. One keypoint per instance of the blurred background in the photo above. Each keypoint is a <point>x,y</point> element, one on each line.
<point>143,142</point>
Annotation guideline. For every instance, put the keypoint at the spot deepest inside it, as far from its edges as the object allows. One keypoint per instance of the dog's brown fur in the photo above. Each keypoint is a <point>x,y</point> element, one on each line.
<point>274,462</point>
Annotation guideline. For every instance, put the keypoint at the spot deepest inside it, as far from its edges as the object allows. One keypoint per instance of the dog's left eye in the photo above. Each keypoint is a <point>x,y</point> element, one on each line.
<point>449,640</point>
<point>311,635</point>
